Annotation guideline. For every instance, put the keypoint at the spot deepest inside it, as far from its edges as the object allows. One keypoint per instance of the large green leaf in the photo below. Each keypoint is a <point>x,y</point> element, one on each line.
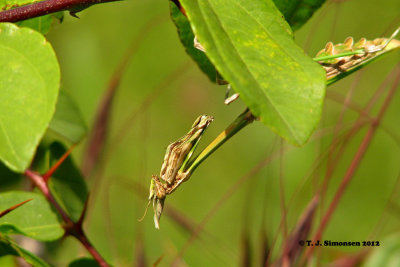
<point>251,45</point>
<point>34,219</point>
<point>187,37</point>
<point>67,183</point>
<point>67,122</point>
<point>297,12</point>
<point>29,82</point>
<point>8,247</point>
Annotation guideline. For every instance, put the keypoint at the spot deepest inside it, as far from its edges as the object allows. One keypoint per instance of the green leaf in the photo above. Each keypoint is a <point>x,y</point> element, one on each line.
<point>29,82</point>
<point>34,219</point>
<point>297,12</point>
<point>42,24</point>
<point>9,4</point>
<point>8,177</point>
<point>8,261</point>
<point>187,37</point>
<point>67,184</point>
<point>67,122</point>
<point>84,262</point>
<point>252,47</point>
<point>8,247</point>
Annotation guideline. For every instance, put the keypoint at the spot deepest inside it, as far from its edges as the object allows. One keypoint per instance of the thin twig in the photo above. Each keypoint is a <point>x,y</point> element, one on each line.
<point>41,8</point>
<point>356,127</point>
<point>285,257</point>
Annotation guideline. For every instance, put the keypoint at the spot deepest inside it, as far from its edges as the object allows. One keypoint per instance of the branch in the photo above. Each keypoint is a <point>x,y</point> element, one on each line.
<point>46,7</point>
<point>72,228</point>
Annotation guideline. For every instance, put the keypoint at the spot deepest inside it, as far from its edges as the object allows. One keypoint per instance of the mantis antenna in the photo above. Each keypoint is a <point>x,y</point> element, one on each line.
<point>145,212</point>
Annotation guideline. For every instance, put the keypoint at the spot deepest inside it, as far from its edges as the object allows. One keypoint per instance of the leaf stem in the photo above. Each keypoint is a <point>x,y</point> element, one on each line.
<point>72,228</point>
<point>41,8</point>
<point>239,123</point>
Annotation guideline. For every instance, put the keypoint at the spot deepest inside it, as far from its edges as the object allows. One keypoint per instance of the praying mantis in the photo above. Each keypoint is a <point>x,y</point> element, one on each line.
<point>174,168</point>
<point>179,163</point>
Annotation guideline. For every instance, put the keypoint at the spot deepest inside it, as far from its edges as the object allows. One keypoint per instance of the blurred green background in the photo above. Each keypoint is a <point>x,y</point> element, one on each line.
<point>161,94</point>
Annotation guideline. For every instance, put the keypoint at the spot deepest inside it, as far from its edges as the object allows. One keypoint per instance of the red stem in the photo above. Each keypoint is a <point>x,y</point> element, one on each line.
<point>355,163</point>
<point>72,228</point>
<point>81,236</point>
<point>285,257</point>
<point>357,126</point>
<point>45,7</point>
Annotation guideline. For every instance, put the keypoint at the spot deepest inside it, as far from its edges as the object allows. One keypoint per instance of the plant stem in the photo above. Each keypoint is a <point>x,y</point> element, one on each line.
<point>71,227</point>
<point>241,121</point>
<point>41,8</point>
<point>362,149</point>
<point>42,185</point>
<point>81,236</point>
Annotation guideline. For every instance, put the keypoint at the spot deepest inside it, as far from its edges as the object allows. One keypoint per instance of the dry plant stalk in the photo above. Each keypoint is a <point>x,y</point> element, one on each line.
<point>349,56</point>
